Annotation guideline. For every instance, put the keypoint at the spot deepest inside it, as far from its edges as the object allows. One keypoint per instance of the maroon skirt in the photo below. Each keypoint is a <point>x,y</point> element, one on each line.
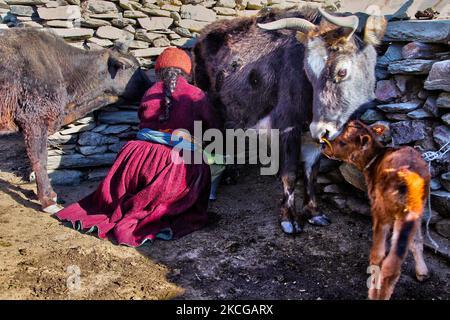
<point>145,195</point>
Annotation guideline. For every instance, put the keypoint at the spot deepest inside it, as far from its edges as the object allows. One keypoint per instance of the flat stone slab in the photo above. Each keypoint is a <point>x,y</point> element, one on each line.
<point>407,131</point>
<point>60,13</point>
<point>411,66</point>
<point>403,107</point>
<point>437,31</point>
<point>438,78</point>
<point>80,161</point>
<point>74,34</point>
<point>119,117</point>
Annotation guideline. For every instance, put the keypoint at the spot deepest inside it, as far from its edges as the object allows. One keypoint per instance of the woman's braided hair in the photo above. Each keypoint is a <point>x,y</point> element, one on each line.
<point>169,76</point>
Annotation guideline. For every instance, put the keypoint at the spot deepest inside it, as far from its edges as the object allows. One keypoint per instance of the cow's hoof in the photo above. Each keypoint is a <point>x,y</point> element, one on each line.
<point>290,227</point>
<point>321,220</point>
<point>52,209</point>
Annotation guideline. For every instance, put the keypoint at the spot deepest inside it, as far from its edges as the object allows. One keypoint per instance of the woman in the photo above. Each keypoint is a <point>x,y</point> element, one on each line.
<point>146,194</point>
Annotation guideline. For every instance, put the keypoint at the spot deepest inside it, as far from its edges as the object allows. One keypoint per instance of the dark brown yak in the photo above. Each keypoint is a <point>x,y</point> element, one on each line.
<point>309,69</point>
<point>46,83</point>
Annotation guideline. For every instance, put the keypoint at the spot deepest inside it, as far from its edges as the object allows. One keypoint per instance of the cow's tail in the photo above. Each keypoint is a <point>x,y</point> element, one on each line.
<point>414,205</point>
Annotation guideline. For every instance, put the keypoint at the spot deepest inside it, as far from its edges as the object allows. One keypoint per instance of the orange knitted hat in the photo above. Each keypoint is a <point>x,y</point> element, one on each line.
<point>174,57</point>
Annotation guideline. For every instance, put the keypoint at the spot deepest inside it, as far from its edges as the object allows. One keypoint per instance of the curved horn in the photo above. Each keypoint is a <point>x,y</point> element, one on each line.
<point>288,23</point>
<point>347,22</point>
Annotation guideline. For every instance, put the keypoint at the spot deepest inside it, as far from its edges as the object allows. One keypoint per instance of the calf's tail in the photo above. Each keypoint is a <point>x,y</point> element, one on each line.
<point>414,204</point>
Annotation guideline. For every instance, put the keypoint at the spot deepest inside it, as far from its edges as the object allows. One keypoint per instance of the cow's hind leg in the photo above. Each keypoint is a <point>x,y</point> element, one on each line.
<point>36,145</point>
<point>289,218</point>
<point>311,162</point>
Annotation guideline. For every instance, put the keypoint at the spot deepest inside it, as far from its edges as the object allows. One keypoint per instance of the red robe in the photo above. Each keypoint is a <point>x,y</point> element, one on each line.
<point>145,193</point>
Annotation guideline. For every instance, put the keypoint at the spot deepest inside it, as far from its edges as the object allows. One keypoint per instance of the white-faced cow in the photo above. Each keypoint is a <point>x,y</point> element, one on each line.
<point>46,83</point>
<point>291,70</point>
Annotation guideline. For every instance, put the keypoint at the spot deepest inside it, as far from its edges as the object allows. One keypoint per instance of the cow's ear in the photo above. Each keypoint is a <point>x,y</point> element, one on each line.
<point>378,129</point>
<point>120,62</point>
<point>365,141</point>
<point>374,30</point>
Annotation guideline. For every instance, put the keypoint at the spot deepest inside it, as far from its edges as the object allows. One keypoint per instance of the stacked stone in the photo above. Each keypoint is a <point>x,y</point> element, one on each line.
<point>148,26</point>
<point>413,96</point>
<point>86,148</point>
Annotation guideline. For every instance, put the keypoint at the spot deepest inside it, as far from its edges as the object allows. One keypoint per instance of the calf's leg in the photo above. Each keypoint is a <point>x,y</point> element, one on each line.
<point>377,254</point>
<point>36,146</point>
<point>391,267</point>
<point>417,250</point>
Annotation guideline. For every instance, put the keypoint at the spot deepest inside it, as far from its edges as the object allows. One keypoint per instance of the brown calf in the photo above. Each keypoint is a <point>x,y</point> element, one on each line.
<point>397,180</point>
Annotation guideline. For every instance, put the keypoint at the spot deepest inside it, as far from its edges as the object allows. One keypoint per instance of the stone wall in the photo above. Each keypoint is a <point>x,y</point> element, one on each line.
<point>412,89</point>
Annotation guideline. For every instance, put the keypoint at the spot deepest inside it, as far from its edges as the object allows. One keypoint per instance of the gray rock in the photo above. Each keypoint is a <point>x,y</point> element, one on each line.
<point>120,117</point>
<point>161,42</point>
<point>150,52</point>
<point>438,78</point>
<point>411,66</point>
<point>80,161</point>
<point>393,53</point>
<point>446,118</point>
<point>371,116</point>
<point>192,25</point>
<point>74,34</point>
<point>353,176</point>
<point>419,50</point>
<point>109,16</point>
<point>431,107</point>
<point>77,128</point>
<point>224,11</point>
<point>115,129</point>
<point>155,23</point>
<point>95,139</point>
<point>116,146</point>
<point>57,139</point>
<point>112,33</point>
<point>59,24</point>
<point>198,13</point>
<point>226,3</point>
<point>65,177</point>
<point>332,188</point>
<point>97,6</point>
<point>123,22</point>
<point>94,23</point>
<point>399,107</point>
<point>184,43</point>
<point>407,131</point>
<point>101,42</point>
<point>156,12</point>
<point>435,184</point>
<point>20,10</point>
<point>100,128</point>
<point>445,180</point>
<point>183,32</point>
<point>420,114</point>
<point>397,116</point>
<point>386,90</point>
<point>441,135</point>
<point>60,13</point>
<point>443,101</point>
<point>88,150</point>
<point>422,31</point>
<point>133,14</point>
<point>440,202</point>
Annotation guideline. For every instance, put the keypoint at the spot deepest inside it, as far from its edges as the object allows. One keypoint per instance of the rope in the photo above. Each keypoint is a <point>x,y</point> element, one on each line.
<point>430,156</point>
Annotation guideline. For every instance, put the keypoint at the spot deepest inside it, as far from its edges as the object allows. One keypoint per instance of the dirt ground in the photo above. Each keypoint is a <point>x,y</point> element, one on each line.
<point>242,254</point>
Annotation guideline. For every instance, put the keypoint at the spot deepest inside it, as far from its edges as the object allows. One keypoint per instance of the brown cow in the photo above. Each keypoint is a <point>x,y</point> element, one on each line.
<point>397,180</point>
<point>46,83</point>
